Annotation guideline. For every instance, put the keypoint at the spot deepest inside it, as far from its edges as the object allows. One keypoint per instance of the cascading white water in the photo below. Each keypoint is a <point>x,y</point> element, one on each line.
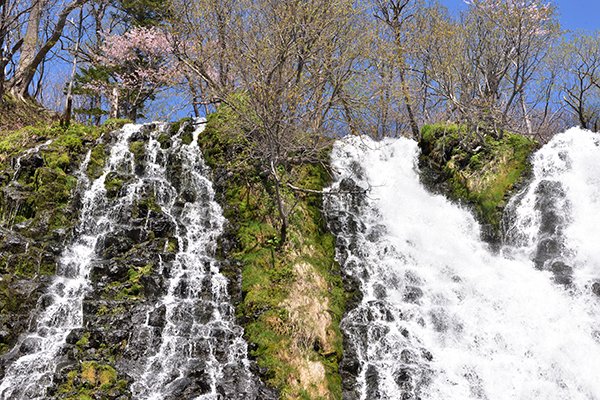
<point>33,150</point>
<point>557,218</point>
<point>201,352</point>
<point>29,376</point>
<point>443,317</point>
<point>199,336</point>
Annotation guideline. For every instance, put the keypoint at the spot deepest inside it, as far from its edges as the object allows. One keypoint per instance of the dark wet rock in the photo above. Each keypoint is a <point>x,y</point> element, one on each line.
<point>413,294</point>
<point>408,357</point>
<point>114,245</point>
<point>547,249</point>
<point>378,310</point>
<point>136,234</point>
<point>439,319</point>
<point>114,271</point>
<point>114,182</point>
<point>188,195</point>
<point>74,336</point>
<point>13,243</point>
<point>157,316</point>
<point>563,274</point>
<point>372,382</point>
<point>31,163</point>
<point>375,233</point>
<point>379,291</point>
<point>153,285</point>
<point>378,332</point>
<point>426,355</point>
<point>403,379</point>
<point>29,345</point>
<point>161,225</point>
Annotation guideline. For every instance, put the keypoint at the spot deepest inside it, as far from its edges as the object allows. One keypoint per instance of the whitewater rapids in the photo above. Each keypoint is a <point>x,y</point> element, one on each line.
<point>444,317</point>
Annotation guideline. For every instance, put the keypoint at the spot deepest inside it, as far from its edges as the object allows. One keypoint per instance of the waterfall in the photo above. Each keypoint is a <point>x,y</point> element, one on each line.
<point>197,351</point>
<point>441,315</point>
<point>61,308</point>
<point>199,336</point>
<point>556,220</point>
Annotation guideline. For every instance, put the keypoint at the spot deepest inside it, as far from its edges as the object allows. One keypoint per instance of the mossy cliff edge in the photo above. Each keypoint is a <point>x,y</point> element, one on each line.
<point>290,296</point>
<point>479,170</point>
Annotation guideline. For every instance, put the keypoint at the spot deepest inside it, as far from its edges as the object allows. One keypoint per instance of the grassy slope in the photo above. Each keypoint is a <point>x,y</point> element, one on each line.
<point>17,114</point>
<point>292,297</point>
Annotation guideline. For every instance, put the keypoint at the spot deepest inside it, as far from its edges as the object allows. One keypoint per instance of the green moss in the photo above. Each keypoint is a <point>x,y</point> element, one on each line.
<point>138,148</point>
<point>70,141</point>
<point>172,245</point>
<point>480,170</point>
<point>91,380</point>
<point>43,207</point>
<point>132,289</point>
<point>52,187</point>
<point>12,142</point>
<point>174,127</point>
<point>143,206</point>
<point>112,124</point>
<point>165,140</point>
<point>57,160</point>
<point>269,278</point>
<point>84,341</point>
<point>113,184</point>
<point>97,162</point>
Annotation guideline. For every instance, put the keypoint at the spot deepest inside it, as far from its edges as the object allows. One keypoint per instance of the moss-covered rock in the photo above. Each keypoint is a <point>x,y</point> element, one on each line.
<point>289,296</point>
<point>479,170</point>
<point>98,158</point>
<point>38,209</point>
<point>92,380</point>
<point>114,182</point>
<point>138,149</point>
<point>112,124</point>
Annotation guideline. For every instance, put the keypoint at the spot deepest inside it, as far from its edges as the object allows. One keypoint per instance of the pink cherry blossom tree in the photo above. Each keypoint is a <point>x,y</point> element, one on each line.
<point>137,65</point>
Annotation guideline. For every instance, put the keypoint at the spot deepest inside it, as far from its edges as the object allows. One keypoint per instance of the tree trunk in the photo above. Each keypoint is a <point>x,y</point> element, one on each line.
<point>414,127</point>
<point>24,73</point>
<point>30,60</point>
<point>114,103</point>
<point>283,215</point>
<point>69,100</point>
<point>526,116</point>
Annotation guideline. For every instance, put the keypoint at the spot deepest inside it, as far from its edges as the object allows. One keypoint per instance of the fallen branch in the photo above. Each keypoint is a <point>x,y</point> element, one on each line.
<point>328,193</point>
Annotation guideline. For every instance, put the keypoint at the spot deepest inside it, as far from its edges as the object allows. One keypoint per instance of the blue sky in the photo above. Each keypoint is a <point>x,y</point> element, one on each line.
<point>573,14</point>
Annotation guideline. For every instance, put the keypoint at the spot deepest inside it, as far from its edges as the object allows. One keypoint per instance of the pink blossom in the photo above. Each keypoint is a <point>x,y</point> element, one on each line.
<point>140,59</point>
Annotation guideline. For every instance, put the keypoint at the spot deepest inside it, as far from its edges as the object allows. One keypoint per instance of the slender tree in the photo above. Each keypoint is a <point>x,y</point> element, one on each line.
<point>34,52</point>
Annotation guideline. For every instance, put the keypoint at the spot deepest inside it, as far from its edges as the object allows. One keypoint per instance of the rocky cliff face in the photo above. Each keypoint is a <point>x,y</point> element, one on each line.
<point>156,319</point>
<point>153,291</point>
<point>39,205</point>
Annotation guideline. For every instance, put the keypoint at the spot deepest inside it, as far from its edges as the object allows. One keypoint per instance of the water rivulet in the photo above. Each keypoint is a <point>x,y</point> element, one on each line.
<point>138,307</point>
<point>440,315</point>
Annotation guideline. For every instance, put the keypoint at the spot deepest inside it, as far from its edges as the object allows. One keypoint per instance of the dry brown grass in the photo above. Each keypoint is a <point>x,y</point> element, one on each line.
<point>18,114</point>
